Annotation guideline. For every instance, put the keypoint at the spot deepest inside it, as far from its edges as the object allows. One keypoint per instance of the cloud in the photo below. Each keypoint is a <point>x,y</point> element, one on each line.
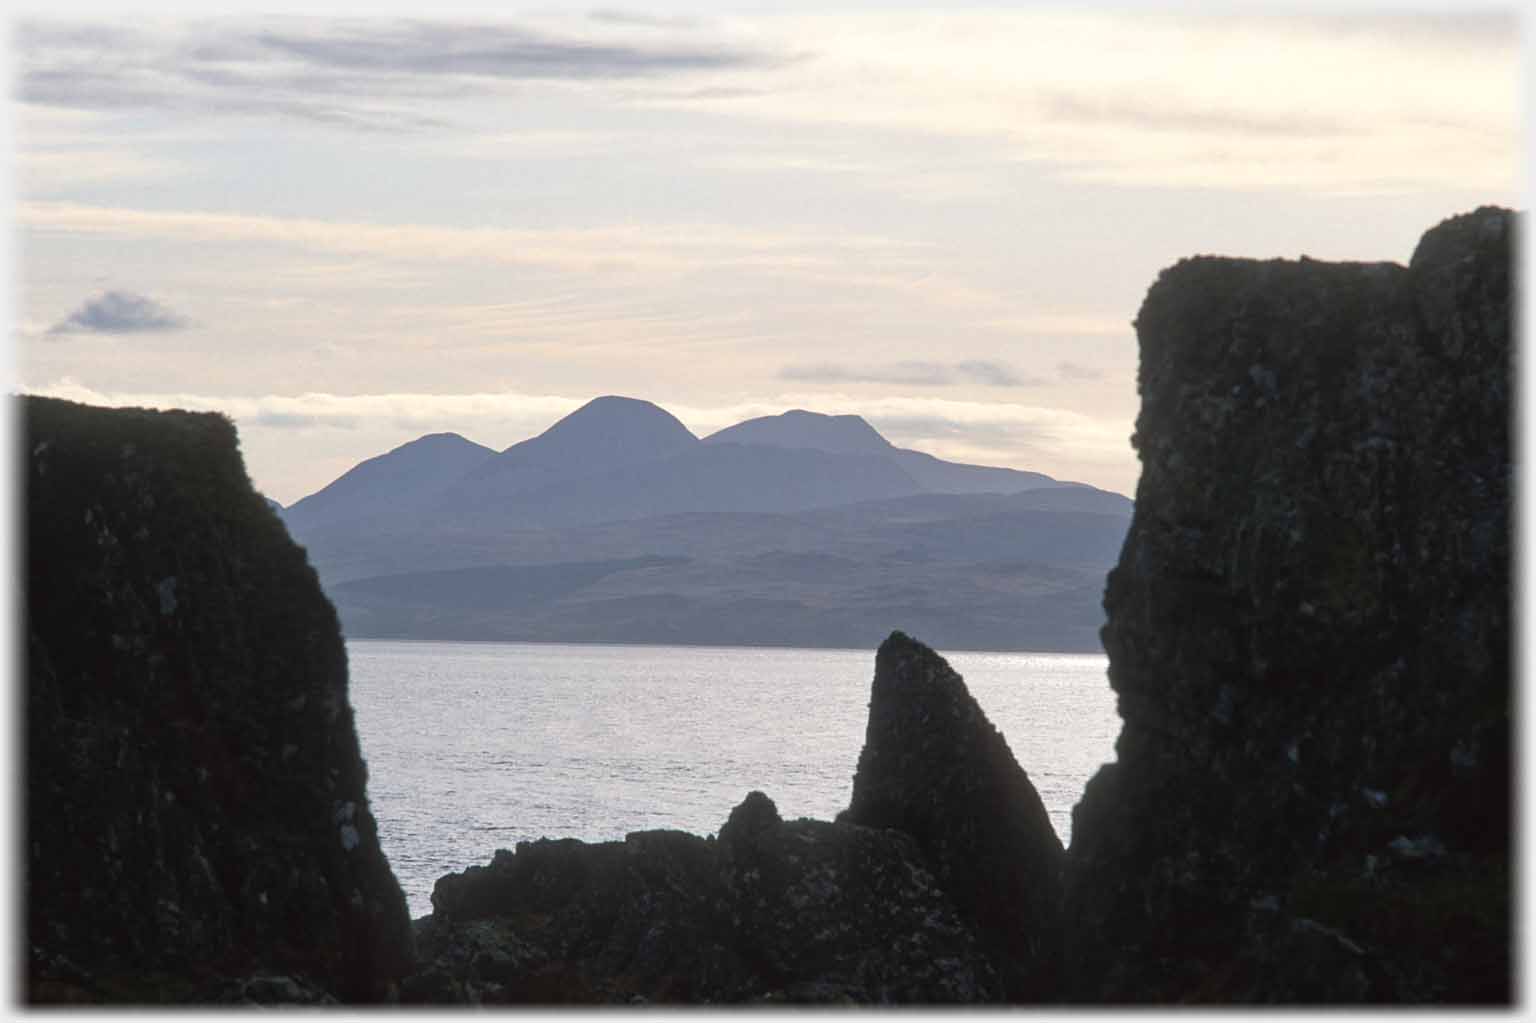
<point>993,374</point>
<point>1061,442</point>
<point>1413,100</point>
<point>1392,103</point>
<point>378,74</point>
<point>119,312</point>
<point>1074,371</point>
<point>648,20</point>
<point>57,170</point>
<point>919,374</point>
<point>406,410</point>
<point>490,50</point>
<point>660,247</point>
<point>911,373</point>
<point>1163,114</point>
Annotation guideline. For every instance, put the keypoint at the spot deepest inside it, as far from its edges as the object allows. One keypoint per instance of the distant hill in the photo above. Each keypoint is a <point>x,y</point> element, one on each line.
<point>617,524</point>
<point>851,435</point>
<point>605,434</point>
<point>982,571</point>
<point>713,478</point>
<point>797,428</point>
<point>408,476</point>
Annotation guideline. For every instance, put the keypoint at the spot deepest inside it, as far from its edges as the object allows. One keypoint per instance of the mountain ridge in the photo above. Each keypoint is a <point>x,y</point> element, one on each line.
<point>618,524</point>
<point>614,434</point>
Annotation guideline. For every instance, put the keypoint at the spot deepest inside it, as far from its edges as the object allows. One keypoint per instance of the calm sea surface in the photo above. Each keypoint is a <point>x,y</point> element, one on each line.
<point>473,747</point>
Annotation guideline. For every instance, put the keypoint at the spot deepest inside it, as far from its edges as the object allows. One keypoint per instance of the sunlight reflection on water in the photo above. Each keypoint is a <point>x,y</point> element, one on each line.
<point>473,747</point>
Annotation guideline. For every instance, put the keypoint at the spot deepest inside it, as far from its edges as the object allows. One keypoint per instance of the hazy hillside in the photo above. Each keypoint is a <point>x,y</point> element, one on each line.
<point>605,434</point>
<point>407,476</point>
<point>618,525</point>
<point>852,435</point>
<point>797,428</point>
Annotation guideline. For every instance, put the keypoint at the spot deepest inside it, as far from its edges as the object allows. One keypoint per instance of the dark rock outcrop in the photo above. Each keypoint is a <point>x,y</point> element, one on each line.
<point>935,768</point>
<point>197,821</point>
<point>939,884</point>
<point>1309,636</point>
<point>773,911</point>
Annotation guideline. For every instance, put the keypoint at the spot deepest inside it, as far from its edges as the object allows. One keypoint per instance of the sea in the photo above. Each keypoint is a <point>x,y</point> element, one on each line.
<point>474,747</point>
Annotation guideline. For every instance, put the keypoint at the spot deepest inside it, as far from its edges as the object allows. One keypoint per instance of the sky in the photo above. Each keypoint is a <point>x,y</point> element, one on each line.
<point>346,232</point>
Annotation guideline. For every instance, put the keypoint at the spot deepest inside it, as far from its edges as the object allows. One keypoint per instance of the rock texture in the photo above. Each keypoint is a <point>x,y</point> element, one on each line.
<point>197,822</point>
<point>939,884</point>
<point>935,768</point>
<point>1308,632</point>
<point>772,911</point>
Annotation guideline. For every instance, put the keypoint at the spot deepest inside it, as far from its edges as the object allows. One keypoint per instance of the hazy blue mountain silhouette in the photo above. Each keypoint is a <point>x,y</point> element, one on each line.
<point>797,428</point>
<point>619,525</point>
<point>706,478</point>
<point>851,435</point>
<point>606,433</point>
<point>407,476</point>
<point>984,571</point>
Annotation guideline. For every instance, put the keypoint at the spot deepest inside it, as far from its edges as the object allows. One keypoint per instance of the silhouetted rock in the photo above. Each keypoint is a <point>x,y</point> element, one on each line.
<point>774,911</point>
<point>1309,637</point>
<point>197,822</point>
<point>935,768</point>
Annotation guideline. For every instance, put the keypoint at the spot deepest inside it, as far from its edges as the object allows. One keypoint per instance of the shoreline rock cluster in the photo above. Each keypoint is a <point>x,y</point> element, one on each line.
<point>197,823</point>
<point>1309,638</point>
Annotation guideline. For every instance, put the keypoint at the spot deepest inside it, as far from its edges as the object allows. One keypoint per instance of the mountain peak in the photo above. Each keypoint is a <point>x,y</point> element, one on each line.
<point>628,424</point>
<point>402,476</point>
<point>798,428</point>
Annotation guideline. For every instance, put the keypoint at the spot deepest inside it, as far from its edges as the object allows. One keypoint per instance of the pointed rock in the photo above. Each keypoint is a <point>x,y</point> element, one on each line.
<point>934,767</point>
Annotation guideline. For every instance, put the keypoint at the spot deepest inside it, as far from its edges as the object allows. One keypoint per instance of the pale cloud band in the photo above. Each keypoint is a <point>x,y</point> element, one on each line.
<point>1057,441</point>
<point>986,372</point>
<point>665,248</point>
<point>1410,102</point>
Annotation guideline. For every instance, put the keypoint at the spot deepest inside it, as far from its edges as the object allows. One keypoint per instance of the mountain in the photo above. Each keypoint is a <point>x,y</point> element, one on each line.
<point>851,435</point>
<point>606,433</point>
<point>797,428</point>
<point>705,478</point>
<point>617,524</point>
<point>935,474</point>
<point>985,571</point>
<point>407,476</point>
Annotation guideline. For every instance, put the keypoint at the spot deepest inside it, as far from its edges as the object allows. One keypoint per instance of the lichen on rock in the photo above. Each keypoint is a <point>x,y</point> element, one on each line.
<point>181,777</point>
<point>1308,632</point>
<point>935,768</point>
<point>773,911</point>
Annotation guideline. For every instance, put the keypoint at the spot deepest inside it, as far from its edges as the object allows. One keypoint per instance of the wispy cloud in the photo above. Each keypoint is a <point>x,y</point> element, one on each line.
<point>1409,101</point>
<point>911,373</point>
<point>993,374</point>
<point>424,411</point>
<point>663,247</point>
<point>119,312</point>
<point>920,374</point>
<point>1127,98</point>
<point>360,73</point>
<point>53,170</point>
<point>1075,371</point>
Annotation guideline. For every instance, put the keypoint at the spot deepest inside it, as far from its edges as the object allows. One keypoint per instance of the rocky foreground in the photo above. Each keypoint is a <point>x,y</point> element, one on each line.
<point>1308,633</point>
